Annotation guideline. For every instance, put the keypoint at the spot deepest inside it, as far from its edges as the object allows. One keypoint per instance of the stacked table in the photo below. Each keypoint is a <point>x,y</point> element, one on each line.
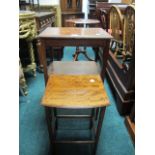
<point>76,84</point>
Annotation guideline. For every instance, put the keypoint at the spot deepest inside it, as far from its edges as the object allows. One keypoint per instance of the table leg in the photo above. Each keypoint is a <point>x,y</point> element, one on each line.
<point>39,53</point>
<point>96,113</point>
<point>96,49</point>
<point>105,58</point>
<point>32,65</point>
<point>99,126</point>
<point>51,127</point>
<point>48,114</point>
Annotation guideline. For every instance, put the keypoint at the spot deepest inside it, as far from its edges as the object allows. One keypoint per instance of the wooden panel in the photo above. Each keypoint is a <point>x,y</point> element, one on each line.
<point>44,20</point>
<point>75,91</point>
<point>83,21</point>
<point>70,15</point>
<point>71,5</point>
<point>72,32</point>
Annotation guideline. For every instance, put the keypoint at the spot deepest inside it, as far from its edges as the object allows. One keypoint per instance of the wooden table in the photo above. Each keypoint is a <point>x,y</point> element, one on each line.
<point>44,20</point>
<point>65,89</point>
<point>78,22</point>
<point>64,36</point>
<point>84,22</point>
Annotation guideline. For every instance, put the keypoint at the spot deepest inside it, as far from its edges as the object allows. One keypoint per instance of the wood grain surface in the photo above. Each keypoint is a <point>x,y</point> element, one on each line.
<point>74,32</point>
<point>75,91</point>
<point>83,21</point>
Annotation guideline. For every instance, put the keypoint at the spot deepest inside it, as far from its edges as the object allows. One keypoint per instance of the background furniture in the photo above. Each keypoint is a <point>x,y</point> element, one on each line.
<point>83,23</point>
<point>71,9</point>
<point>72,37</point>
<point>121,62</point>
<point>92,8</point>
<point>102,12</point>
<point>28,31</point>
<point>44,20</point>
<point>47,19</point>
<point>22,81</point>
<point>130,123</point>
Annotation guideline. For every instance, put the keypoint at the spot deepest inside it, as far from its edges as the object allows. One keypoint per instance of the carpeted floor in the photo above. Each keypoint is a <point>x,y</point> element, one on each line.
<point>34,140</point>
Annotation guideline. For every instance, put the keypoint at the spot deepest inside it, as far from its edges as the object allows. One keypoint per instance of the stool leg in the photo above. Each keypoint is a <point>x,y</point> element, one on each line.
<point>49,118</point>
<point>53,124</point>
<point>75,56</point>
<point>96,51</point>
<point>96,114</point>
<point>56,120</point>
<point>92,118</point>
<point>99,126</point>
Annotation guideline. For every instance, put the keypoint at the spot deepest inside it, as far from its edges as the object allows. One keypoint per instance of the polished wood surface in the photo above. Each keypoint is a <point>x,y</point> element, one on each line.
<point>73,32</point>
<point>62,36</point>
<point>75,91</point>
<point>70,15</point>
<point>83,21</point>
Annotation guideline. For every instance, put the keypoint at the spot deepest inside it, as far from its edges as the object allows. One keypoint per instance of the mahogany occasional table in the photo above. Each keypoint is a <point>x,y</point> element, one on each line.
<point>74,85</point>
<point>78,22</point>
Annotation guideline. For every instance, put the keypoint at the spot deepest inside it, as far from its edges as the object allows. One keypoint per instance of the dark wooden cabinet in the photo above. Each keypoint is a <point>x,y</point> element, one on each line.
<point>121,62</point>
<point>70,15</point>
<point>44,20</point>
<point>92,8</point>
<point>71,5</point>
<point>71,9</point>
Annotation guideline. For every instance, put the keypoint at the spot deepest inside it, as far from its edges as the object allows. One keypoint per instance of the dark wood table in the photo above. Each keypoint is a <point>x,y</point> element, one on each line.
<point>84,22</point>
<point>64,36</point>
<point>79,22</point>
<point>84,89</point>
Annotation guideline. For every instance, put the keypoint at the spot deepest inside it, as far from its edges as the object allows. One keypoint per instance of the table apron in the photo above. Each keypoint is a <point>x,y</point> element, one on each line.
<point>75,42</point>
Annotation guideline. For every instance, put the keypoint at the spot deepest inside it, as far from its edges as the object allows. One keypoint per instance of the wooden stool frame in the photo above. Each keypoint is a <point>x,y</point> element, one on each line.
<point>46,39</point>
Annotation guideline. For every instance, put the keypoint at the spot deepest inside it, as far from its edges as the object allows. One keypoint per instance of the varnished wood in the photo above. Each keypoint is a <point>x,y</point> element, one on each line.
<point>74,32</point>
<point>75,37</point>
<point>83,21</point>
<point>70,15</point>
<point>44,19</point>
<point>99,126</point>
<point>71,5</point>
<point>75,91</point>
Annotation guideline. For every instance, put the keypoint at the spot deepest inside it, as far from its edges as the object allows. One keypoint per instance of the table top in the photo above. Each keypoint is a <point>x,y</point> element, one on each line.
<point>75,91</point>
<point>43,14</point>
<point>74,32</point>
<point>83,21</point>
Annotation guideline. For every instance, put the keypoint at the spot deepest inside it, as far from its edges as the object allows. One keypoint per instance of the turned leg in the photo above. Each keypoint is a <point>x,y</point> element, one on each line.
<point>32,58</point>
<point>39,50</point>
<point>22,81</point>
<point>99,126</point>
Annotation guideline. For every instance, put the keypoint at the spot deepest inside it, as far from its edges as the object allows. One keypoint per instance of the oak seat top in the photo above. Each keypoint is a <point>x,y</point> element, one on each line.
<point>75,91</point>
<point>75,33</point>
